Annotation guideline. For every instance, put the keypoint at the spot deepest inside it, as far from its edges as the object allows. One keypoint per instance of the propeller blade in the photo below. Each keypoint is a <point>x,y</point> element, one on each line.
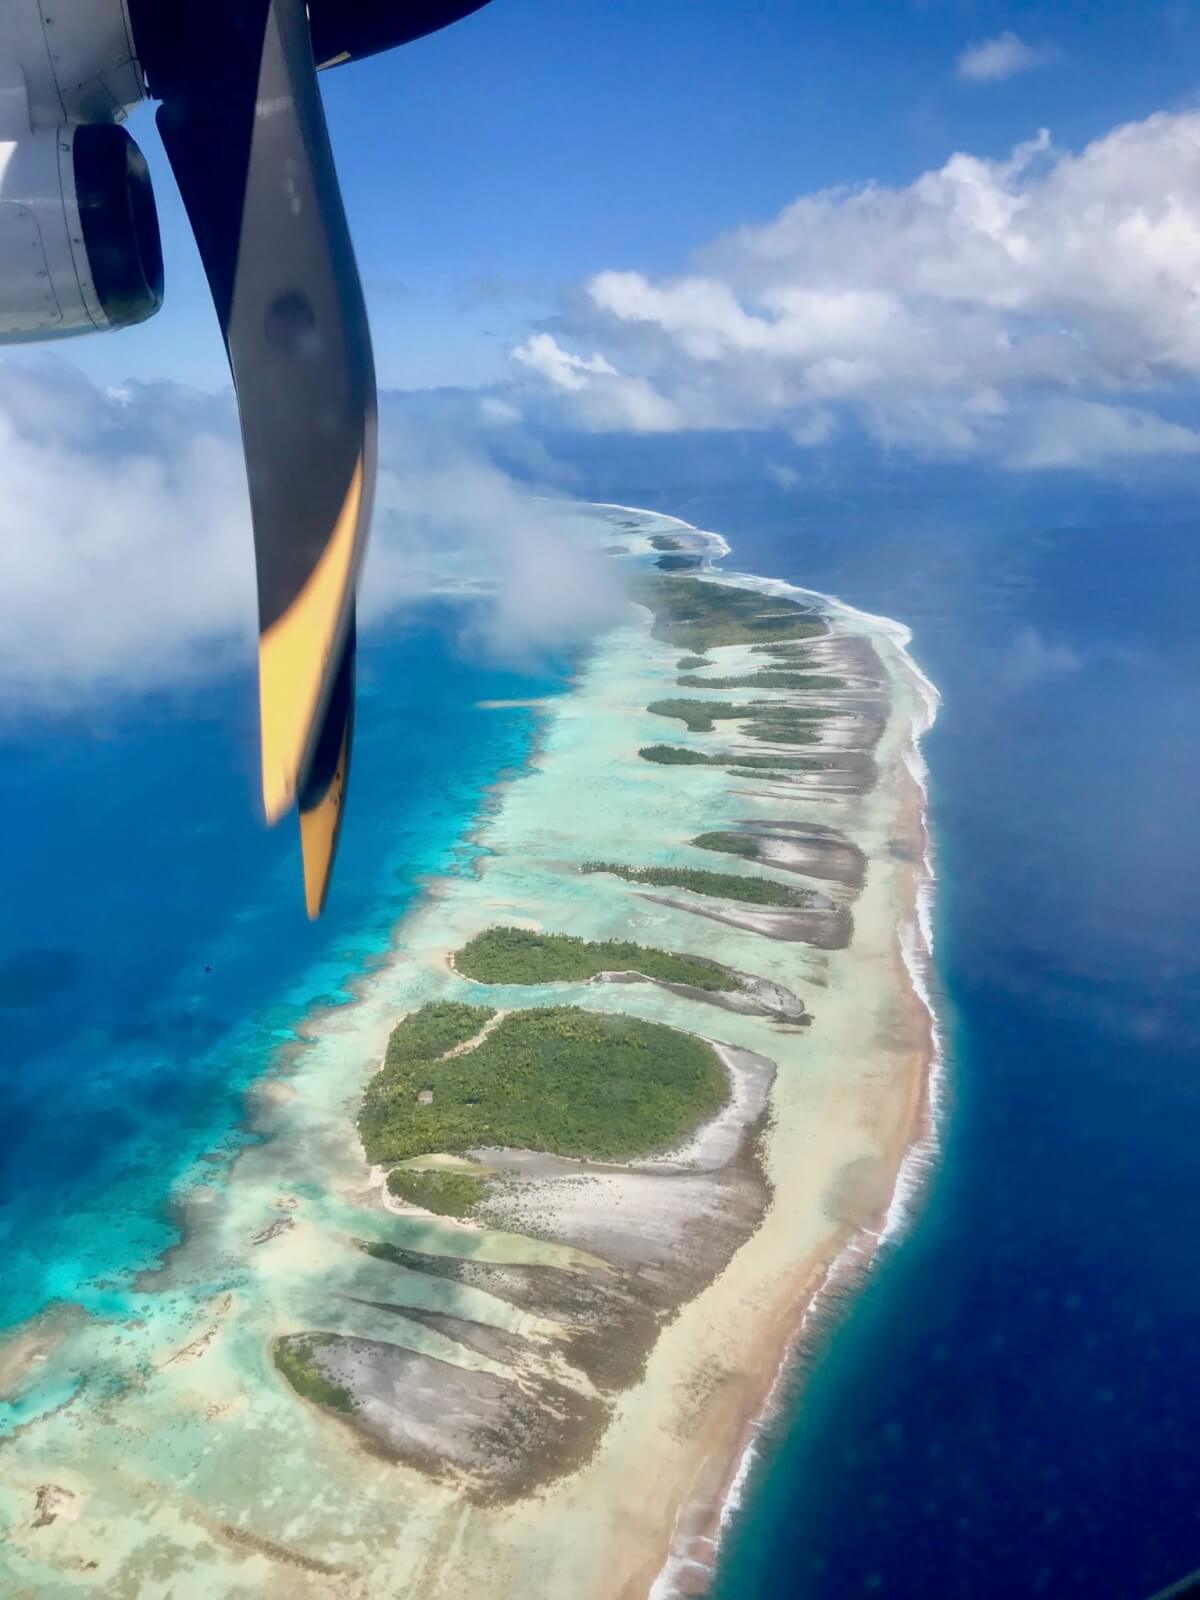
<point>243,127</point>
<point>323,797</point>
<point>342,32</point>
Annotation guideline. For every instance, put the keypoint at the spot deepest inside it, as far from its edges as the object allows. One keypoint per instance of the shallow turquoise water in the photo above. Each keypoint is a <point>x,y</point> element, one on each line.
<point>973,1423</point>
<point>153,946</point>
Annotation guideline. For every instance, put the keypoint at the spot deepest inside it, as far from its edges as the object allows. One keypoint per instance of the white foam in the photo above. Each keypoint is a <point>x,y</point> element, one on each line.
<point>720,547</point>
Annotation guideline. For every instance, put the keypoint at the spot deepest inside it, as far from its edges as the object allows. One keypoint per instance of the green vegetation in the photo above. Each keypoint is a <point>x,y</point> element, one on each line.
<point>780,763</point>
<point>771,679</point>
<point>380,1250</point>
<point>765,680</point>
<point>427,1034</point>
<point>448,1192</point>
<point>294,1358</point>
<point>782,733</point>
<point>722,885</point>
<point>665,541</point>
<point>794,654</point>
<point>687,663</point>
<point>774,769</point>
<point>699,714</point>
<point>733,844</point>
<point>768,719</point>
<point>554,1078</point>
<point>517,955</point>
<point>697,615</point>
<point>674,755</point>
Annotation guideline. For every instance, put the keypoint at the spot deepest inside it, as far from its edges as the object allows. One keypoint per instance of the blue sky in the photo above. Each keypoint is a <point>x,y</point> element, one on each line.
<point>807,251</point>
<point>490,167</point>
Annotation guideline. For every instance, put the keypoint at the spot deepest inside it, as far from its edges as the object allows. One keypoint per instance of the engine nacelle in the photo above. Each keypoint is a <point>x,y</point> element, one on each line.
<point>65,61</point>
<point>79,240</point>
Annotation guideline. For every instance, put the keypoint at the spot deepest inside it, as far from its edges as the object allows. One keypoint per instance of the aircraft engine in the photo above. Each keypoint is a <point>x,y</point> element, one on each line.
<point>79,241</point>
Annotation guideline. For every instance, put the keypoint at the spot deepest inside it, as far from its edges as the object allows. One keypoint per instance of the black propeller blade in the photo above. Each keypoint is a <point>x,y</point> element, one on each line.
<point>323,797</point>
<point>347,30</point>
<point>243,127</point>
<point>242,124</point>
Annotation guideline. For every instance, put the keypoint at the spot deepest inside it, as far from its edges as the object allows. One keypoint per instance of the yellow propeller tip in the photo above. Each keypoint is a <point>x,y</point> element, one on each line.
<point>319,826</point>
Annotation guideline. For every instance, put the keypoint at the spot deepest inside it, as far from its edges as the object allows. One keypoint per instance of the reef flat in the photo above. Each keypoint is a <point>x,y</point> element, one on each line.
<point>494,1300</point>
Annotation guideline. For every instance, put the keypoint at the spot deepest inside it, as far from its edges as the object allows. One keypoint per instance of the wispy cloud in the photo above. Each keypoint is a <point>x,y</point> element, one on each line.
<point>1081,433</point>
<point>605,398</point>
<point>781,475</point>
<point>994,60</point>
<point>128,561</point>
<point>1029,309</point>
<point>1031,660</point>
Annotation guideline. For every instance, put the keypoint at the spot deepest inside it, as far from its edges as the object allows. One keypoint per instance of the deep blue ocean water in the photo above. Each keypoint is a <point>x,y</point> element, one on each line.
<point>1011,1406</point>
<point>153,947</point>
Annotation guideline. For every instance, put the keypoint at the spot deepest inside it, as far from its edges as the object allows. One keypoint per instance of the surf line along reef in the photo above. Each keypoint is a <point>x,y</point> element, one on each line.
<point>497,1298</point>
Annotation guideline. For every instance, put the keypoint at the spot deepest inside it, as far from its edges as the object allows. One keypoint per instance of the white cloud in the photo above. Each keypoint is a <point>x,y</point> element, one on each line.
<point>494,412</point>
<point>943,315</point>
<point>126,553</point>
<point>542,355</point>
<point>993,60</point>
<point>128,560</point>
<point>813,428</point>
<point>604,398</point>
<point>1030,660</point>
<point>1081,433</point>
<point>447,518</point>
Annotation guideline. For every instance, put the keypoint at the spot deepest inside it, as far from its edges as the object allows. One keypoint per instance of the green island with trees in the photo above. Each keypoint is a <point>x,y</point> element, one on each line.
<point>698,615</point>
<point>690,663</point>
<point>768,721</point>
<point>789,650</point>
<point>765,679</point>
<point>721,885</point>
<point>699,715</point>
<point>447,1191</point>
<point>675,755</point>
<point>732,844</point>
<point>553,1078</point>
<point>520,955</point>
<point>294,1359</point>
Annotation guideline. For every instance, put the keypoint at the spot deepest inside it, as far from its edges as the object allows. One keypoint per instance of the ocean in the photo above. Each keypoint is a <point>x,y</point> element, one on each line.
<point>154,952</point>
<point>1007,1406</point>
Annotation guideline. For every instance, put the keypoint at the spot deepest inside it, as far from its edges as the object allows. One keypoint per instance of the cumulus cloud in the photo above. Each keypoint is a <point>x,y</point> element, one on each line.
<point>993,60</point>
<point>1081,433</point>
<point>124,530</point>
<point>956,316</point>
<point>605,399</point>
<point>128,561</point>
<point>541,354</point>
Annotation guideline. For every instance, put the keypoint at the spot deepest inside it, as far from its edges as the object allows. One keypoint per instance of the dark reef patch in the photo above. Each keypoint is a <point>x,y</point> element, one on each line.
<point>30,977</point>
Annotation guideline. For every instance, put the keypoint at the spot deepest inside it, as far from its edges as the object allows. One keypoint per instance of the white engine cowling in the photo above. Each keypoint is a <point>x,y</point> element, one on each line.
<point>79,241</point>
<point>64,61</point>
